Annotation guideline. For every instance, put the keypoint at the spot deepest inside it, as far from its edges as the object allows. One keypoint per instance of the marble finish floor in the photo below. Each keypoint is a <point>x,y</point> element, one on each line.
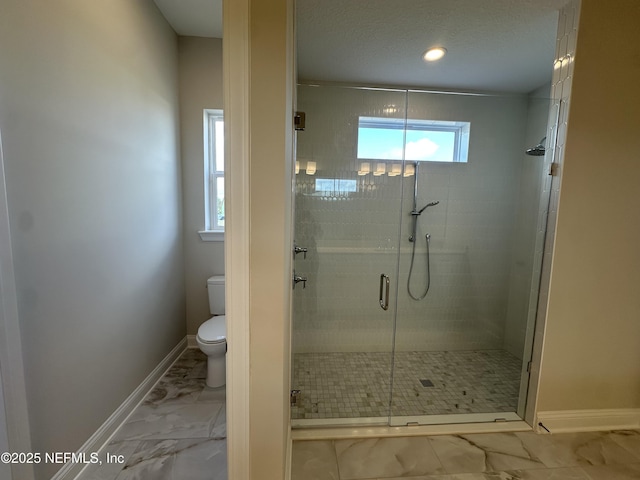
<point>348,385</point>
<point>491,456</point>
<point>178,432</point>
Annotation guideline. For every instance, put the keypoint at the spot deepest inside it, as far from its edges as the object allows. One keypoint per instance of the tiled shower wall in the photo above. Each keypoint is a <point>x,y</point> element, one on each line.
<point>556,135</point>
<point>530,220</point>
<point>353,237</point>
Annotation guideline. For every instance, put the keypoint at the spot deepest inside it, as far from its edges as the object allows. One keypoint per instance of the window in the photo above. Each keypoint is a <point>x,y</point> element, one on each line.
<point>335,186</point>
<point>415,140</point>
<point>213,175</point>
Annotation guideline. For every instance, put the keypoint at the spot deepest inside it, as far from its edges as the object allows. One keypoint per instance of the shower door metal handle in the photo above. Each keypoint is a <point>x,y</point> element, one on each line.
<point>384,284</point>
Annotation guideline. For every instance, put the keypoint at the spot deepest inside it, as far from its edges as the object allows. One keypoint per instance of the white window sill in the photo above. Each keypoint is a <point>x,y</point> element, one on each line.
<point>211,235</point>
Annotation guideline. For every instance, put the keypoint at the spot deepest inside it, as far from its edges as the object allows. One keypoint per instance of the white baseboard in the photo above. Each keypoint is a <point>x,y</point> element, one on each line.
<point>191,341</point>
<point>587,420</point>
<point>70,470</point>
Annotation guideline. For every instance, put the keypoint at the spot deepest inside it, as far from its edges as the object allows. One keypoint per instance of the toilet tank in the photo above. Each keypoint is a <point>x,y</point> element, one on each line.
<point>215,286</point>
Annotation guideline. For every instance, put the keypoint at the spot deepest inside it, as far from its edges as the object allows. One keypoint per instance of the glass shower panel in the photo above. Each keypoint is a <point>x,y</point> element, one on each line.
<point>461,351</point>
<point>347,217</point>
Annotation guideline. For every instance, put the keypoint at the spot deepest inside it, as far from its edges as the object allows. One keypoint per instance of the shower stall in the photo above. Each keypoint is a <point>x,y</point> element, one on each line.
<point>419,221</point>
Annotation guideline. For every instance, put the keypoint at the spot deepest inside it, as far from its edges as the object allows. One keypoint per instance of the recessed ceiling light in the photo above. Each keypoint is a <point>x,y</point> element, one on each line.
<point>433,54</point>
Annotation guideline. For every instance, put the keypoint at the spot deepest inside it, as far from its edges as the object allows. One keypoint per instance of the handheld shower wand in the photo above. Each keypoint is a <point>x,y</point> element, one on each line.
<point>415,213</point>
<point>419,212</point>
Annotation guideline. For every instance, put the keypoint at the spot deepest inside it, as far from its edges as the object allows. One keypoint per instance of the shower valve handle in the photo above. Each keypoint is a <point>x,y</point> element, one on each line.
<point>297,250</point>
<point>298,279</point>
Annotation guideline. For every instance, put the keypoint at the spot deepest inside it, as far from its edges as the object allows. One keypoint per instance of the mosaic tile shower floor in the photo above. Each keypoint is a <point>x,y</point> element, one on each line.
<point>348,385</point>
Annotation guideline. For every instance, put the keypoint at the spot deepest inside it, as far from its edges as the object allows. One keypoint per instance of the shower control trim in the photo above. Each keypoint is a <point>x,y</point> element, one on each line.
<point>384,285</point>
<point>298,279</point>
<point>297,250</point>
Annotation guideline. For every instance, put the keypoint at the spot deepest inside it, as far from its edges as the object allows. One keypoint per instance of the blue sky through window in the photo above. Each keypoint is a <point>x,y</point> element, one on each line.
<point>383,139</point>
<point>335,185</point>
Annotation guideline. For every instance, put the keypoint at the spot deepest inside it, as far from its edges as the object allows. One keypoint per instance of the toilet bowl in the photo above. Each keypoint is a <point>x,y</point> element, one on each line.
<point>211,339</point>
<point>212,334</point>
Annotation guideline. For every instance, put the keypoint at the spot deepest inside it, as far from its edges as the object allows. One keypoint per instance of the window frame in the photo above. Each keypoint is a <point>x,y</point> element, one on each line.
<point>460,129</point>
<point>213,230</point>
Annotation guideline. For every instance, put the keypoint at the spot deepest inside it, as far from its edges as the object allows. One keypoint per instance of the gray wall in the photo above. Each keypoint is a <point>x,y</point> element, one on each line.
<point>89,115</point>
<point>200,61</point>
<point>5,468</point>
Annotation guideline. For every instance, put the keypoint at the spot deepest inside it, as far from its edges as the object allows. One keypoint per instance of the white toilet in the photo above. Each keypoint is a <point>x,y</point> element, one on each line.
<point>212,334</point>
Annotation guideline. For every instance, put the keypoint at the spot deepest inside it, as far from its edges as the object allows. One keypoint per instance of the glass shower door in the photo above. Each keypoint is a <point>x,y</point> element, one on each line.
<point>468,282</point>
<point>347,217</point>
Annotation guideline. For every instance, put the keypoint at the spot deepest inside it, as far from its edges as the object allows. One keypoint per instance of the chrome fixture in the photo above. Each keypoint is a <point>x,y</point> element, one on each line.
<point>415,213</point>
<point>419,212</point>
<point>298,279</point>
<point>384,285</point>
<point>538,150</point>
<point>297,250</point>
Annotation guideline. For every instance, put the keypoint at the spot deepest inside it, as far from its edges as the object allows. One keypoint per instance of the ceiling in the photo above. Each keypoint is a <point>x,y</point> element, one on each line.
<point>492,45</point>
<point>193,18</point>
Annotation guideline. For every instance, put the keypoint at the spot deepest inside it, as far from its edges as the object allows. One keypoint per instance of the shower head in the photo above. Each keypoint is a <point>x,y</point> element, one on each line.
<point>424,208</point>
<point>538,150</point>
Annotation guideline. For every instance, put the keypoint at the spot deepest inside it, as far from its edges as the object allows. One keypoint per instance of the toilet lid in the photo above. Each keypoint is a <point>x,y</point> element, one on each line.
<point>213,330</point>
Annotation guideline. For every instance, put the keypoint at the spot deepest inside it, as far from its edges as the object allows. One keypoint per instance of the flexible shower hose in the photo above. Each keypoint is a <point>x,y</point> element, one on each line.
<point>413,254</point>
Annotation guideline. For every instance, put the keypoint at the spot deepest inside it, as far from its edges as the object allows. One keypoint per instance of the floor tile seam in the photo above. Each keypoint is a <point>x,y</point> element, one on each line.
<point>435,452</point>
<point>334,449</point>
